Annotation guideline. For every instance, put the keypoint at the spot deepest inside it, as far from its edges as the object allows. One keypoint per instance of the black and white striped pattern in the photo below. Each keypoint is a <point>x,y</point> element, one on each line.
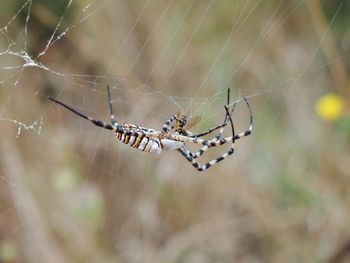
<point>191,157</point>
<point>152,141</point>
<point>140,141</point>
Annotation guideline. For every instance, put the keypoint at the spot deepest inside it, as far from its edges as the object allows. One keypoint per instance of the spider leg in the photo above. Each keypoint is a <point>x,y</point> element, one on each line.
<point>202,167</point>
<point>228,117</point>
<point>217,137</point>
<point>215,128</point>
<point>168,122</point>
<point>221,125</point>
<point>249,130</point>
<point>94,121</point>
<point>113,120</point>
<point>192,157</point>
<point>214,142</point>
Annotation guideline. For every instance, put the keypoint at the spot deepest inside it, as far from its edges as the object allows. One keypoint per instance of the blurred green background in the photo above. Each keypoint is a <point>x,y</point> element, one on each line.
<point>70,192</point>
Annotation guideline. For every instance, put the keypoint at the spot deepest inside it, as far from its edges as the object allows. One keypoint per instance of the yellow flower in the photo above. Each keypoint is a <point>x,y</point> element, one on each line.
<point>330,106</point>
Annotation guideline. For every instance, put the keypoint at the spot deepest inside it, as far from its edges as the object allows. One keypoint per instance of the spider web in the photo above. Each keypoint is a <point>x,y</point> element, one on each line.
<point>159,57</point>
<point>17,58</point>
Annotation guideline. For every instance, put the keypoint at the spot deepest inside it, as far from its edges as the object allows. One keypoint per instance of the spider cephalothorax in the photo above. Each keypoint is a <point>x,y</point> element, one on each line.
<point>174,135</point>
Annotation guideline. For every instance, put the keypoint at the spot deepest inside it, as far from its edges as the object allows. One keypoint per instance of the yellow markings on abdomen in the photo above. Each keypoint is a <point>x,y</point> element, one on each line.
<point>140,142</point>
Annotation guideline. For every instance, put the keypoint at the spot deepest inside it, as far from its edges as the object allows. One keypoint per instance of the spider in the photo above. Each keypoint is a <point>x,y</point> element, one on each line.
<point>173,135</point>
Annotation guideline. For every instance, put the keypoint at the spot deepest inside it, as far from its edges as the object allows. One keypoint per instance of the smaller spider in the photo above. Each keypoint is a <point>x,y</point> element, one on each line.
<point>173,135</point>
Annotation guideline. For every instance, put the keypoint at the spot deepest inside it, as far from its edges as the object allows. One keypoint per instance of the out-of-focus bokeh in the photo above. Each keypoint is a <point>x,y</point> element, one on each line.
<point>70,192</point>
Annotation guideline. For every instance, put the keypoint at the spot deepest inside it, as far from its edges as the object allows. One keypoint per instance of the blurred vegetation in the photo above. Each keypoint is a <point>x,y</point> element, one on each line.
<point>71,193</point>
